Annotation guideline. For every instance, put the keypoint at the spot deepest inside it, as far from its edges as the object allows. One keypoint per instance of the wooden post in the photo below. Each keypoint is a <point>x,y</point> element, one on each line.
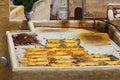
<point>4,26</point>
<point>82,9</point>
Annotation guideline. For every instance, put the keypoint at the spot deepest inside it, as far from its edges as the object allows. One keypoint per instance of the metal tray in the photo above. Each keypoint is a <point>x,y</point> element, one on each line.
<point>93,44</point>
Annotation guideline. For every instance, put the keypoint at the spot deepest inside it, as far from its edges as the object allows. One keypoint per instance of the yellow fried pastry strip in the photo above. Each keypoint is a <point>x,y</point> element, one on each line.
<point>96,56</point>
<point>92,63</point>
<point>61,65</point>
<point>50,45</point>
<point>37,63</point>
<point>101,59</point>
<point>68,57</point>
<point>35,56</point>
<point>35,49</point>
<point>53,41</point>
<point>113,62</point>
<point>65,61</point>
<point>70,40</point>
<point>36,53</point>
<point>37,59</point>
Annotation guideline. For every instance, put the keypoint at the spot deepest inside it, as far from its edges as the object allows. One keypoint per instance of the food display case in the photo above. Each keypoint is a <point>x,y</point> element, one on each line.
<point>64,50</point>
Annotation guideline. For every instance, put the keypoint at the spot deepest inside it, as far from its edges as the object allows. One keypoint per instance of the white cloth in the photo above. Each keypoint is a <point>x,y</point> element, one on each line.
<point>57,5</point>
<point>117,16</point>
<point>40,10</point>
<point>118,10</point>
<point>110,15</point>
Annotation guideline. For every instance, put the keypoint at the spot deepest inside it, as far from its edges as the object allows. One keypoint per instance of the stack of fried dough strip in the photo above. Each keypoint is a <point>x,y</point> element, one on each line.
<point>66,57</point>
<point>71,43</point>
<point>36,56</point>
<point>65,53</point>
<point>52,56</point>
